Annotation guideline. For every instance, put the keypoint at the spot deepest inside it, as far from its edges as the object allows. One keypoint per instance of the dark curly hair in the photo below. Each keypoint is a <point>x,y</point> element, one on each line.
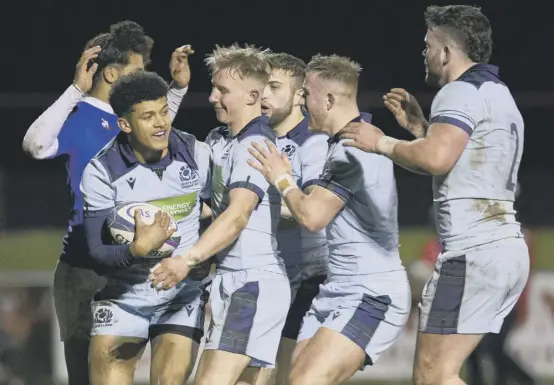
<point>134,88</point>
<point>288,63</point>
<point>466,25</point>
<point>124,38</point>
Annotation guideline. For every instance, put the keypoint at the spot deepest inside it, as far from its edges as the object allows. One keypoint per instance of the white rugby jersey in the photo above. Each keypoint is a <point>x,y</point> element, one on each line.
<point>474,202</point>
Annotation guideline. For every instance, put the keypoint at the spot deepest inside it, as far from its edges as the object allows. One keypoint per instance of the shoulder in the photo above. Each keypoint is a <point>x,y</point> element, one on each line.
<point>112,160</point>
<point>258,128</point>
<point>215,135</point>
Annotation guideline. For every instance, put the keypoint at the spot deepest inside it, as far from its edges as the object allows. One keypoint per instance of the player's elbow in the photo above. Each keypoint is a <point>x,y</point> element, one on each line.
<point>313,223</point>
<point>34,151</point>
<point>439,165</point>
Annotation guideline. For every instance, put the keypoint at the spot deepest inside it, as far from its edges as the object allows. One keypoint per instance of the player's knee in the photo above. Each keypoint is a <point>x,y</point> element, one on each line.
<point>306,376</point>
<point>427,374</point>
<point>171,376</point>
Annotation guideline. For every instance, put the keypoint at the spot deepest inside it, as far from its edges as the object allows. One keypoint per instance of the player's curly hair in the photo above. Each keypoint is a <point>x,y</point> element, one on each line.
<point>466,25</point>
<point>124,38</point>
<point>285,62</point>
<point>246,62</point>
<point>335,67</point>
<point>134,88</point>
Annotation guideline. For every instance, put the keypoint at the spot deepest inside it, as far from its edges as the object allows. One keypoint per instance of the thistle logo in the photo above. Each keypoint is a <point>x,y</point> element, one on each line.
<point>103,317</point>
<point>188,177</point>
<point>289,150</point>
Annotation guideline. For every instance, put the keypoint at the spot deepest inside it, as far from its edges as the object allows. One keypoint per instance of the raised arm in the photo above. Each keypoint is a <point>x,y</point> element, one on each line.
<point>42,139</point>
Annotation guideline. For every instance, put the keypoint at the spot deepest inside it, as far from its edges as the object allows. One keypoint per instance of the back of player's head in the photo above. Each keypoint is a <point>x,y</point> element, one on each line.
<point>335,68</point>
<point>125,38</point>
<point>135,88</point>
<point>246,62</point>
<point>465,25</point>
<point>292,65</point>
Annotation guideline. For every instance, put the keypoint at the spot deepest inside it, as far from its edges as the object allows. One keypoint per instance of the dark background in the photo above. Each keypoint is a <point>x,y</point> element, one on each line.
<point>42,40</point>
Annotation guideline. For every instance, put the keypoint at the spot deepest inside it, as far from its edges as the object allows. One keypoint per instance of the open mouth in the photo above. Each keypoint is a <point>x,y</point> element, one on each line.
<point>162,134</point>
<point>265,109</point>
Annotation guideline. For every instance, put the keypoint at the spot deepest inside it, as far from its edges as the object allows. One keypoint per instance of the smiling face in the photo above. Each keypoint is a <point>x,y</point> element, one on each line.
<point>148,125</point>
<point>230,95</point>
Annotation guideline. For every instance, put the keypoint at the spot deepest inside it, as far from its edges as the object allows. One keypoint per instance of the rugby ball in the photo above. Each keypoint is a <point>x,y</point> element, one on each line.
<point>121,224</point>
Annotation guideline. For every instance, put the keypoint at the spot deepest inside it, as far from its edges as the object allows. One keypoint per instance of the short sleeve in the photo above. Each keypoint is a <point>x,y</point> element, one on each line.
<point>98,191</point>
<point>313,154</point>
<point>242,174</point>
<point>204,162</point>
<point>343,172</point>
<point>459,104</point>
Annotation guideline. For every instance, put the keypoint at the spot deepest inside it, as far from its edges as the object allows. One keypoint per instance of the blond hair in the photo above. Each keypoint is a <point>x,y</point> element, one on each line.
<point>333,67</point>
<point>246,62</point>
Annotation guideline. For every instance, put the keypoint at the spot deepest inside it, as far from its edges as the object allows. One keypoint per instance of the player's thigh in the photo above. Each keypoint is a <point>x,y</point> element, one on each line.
<point>471,293</point>
<point>328,358</point>
<point>173,358</point>
<point>218,367</point>
<point>248,314</point>
<point>113,359</point>
<point>439,358</point>
<point>175,331</point>
<point>118,339</point>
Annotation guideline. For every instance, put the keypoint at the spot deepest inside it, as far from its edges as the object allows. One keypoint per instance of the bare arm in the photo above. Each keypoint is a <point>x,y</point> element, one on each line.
<point>436,154</point>
<point>316,210</point>
<point>226,228</point>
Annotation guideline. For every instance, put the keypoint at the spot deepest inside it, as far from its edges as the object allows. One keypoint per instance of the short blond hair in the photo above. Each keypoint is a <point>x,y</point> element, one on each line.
<point>246,62</point>
<point>334,67</point>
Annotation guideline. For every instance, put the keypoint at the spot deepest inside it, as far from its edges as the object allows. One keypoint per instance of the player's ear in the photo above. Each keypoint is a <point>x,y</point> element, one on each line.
<point>330,102</point>
<point>298,97</point>
<point>253,97</point>
<point>446,53</point>
<point>124,125</point>
<point>110,74</point>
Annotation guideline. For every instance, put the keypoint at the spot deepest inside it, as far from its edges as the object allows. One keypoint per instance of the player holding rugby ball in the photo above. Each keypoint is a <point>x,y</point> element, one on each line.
<point>147,162</point>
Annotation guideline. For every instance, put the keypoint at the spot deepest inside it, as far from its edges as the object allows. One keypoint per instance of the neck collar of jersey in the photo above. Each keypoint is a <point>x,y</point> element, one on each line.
<point>262,119</point>
<point>176,150</point>
<point>363,115</point>
<point>299,129</point>
<point>491,69</point>
<point>98,104</point>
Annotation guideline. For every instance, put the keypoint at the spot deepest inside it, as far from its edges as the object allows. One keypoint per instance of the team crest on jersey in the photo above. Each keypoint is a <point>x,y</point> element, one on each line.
<point>103,316</point>
<point>188,177</point>
<point>289,150</point>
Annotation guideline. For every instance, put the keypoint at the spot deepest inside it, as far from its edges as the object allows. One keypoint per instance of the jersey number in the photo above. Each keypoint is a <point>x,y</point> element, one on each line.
<point>511,183</point>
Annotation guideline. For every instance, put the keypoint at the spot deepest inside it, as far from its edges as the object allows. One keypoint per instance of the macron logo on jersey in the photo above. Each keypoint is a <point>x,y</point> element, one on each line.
<point>131,181</point>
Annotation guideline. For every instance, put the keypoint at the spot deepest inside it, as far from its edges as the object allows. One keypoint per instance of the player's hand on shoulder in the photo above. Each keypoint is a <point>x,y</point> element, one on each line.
<point>406,110</point>
<point>83,73</point>
<point>150,237</point>
<point>179,65</point>
<point>271,162</point>
<point>361,135</point>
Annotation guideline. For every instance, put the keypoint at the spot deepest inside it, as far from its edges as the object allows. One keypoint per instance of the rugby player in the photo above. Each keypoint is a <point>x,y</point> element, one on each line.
<point>364,303</point>
<point>250,294</point>
<point>472,146</point>
<point>304,253</point>
<point>146,162</point>
<point>77,126</point>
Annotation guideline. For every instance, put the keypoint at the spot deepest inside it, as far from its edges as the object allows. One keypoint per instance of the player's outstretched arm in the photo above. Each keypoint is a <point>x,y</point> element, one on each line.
<point>454,114</point>
<point>42,138</point>
<point>223,231</point>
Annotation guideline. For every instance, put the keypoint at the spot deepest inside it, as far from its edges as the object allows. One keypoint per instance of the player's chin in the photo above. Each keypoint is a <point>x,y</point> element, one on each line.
<point>221,115</point>
<point>159,143</point>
